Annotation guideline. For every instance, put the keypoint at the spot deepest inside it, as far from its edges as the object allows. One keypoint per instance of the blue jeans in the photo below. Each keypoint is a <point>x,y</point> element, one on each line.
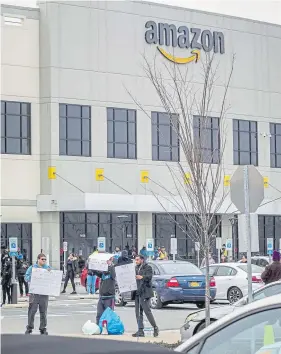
<point>91,284</point>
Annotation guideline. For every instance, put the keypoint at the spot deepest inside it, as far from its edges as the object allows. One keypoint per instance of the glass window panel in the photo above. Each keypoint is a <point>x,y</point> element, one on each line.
<point>272,144</point>
<point>164,118</point>
<point>121,132</point>
<point>206,138</point>
<point>155,155</point>
<point>235,140</point>
<point>13,146</point>
<point>278,144</point>
<point>132,132</point>
<point>25,109</point>
<point>13,126</point>
<point>215,123</point>
<point>110,150</point>
<point>85,129</point>
<point>253,126</point>
<point>132,151</point>
<point>273,160</point>
<point>253,142</point>
<point>73,128</point>
<point>244,125</point>
<point>164,135</point>
<point>109,114</point>
<point>74,148</point>
<point>74,230</point>
<point>92,231</point>
<point>121,151</point>
<point>109,131</point>
<point>25,144</point>
<point>216,139</point>
<point>244,141</point>
<point>132,116</point>
<point>3,145</point>
<point>3,109</point>
<point>77,218</point>
<point>120,114</point>
<point>104,218</point>
<point>86,112</point>
<point>25,127</point>
<point>62,128</point>
<point>207,155</point>
<point>254,159</point>
<point>269,226</point>
<point>216,156</point>
<point>164,153</point>
<point>86,148</point>
<point>175,138</point>
<point>278,161</point>
<point>272,128</point>
<point>196,122</point>
<point>73,111</point>
<point>27,231</point>
<point>236,157</point>
<point>175,154</point>
<point>62,110</point>
<point>13,108</point>
<point>154,117</point>
<point>13,230</point>
<point>62,147</point>
<point>278,129</point>
<point>154,135</point>
<point>244,158</point>
<point>235,124</point>
<point>92,218</point>
<point>3,125</point>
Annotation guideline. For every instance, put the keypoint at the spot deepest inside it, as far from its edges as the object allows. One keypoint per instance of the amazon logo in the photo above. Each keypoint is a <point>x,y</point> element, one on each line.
<point>163,34</point>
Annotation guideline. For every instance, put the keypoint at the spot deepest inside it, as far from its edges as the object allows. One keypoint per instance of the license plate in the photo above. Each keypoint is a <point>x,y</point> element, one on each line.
<point>194,284</point>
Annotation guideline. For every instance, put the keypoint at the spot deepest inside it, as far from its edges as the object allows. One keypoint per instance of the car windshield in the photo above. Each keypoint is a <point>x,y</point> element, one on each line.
<point>180,268</point>
<point>255,268</point>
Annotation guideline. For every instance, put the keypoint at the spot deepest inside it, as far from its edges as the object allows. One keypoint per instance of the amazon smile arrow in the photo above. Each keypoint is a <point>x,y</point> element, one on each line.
<point>194,57</point>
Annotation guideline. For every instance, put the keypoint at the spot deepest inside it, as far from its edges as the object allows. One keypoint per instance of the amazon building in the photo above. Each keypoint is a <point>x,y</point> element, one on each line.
<point>85,140</point>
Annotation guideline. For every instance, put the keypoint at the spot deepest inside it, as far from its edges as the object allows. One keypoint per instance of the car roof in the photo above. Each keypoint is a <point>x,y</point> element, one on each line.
<point>169,262</point>
<point>271,301</point>
<point>229,264</point>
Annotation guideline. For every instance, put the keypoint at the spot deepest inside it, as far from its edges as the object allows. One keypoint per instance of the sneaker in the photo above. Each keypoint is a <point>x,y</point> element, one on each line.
<point>156,332</point>
<point>139,333</point>
<point>44,332</point>
<point>28,331</point>
<point>73,293</point>
<point>63,292</point>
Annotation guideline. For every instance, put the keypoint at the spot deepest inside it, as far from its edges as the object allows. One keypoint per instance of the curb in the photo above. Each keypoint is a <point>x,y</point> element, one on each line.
<point>21,300</point>
<point>82,297</point>
<point>15,306</point>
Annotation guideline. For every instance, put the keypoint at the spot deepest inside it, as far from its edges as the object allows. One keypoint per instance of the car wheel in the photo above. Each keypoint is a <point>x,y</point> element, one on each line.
<point>203,326</point>
<point>200,305</point>
<point>119,302</point>
<point>155,302</point>
<point>234,294</point>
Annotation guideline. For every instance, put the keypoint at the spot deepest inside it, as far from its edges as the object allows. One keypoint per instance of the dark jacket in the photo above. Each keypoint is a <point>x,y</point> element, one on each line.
<point>124,259</point>
<point>272,273</point>
<point>107,285</point>
<point>144,284</point>
<point>7,273</point>
<point>71,266</point>
<point>21,268</point>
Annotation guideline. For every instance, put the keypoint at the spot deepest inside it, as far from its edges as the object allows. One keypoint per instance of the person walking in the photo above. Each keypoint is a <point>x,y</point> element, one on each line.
<point>71,268</point>
<point>21,270</point>
<point>36,300</point>
<point>211,261</point>
<point>107,289</point>
<point>272,271</point>
<point>142,296</point>
<point>7,280</point>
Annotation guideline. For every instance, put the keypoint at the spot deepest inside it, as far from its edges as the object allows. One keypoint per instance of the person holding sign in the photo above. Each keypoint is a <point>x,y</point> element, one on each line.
<point>36,300</point>
<point>142,296</point>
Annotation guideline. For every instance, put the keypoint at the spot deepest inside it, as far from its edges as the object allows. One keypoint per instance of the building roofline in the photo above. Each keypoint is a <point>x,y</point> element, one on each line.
<point>206,12</point>
<point>8,6</point>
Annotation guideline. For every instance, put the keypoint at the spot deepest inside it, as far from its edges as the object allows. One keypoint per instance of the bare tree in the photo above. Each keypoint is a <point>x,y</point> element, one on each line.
<point>200,194</point>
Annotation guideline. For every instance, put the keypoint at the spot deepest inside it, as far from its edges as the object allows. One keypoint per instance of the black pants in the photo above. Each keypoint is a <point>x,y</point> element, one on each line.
<point>7,292</point>
<point>69,275</point>
<point>143,306</point>
<point>21,283</point>
<point>36,301</point>
<point>102,305</point>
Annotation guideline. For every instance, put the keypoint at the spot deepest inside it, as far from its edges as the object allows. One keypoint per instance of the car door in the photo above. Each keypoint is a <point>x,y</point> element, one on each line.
<point>224,277</point>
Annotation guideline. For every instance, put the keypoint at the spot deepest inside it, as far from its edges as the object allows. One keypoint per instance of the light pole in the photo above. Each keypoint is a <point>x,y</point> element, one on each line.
<point>123,219</point>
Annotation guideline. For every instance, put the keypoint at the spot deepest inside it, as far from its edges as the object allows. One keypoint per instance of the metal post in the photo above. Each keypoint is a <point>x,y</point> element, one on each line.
<point>14,283</point>
<point>174,257</point>
<point>248,232</point>
<point>219,255</point>
<point>64,262</point>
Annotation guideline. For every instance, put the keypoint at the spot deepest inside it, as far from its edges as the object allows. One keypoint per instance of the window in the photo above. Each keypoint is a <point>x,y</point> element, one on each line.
<point>245,335</point>
<point>155,270</point>
<point>165,140</point>
<point>121,133</point>
<point>75,130</point>
<point>225,272</point>
<point>245,142</point>
<point>269,227</point>
<point>268,291</point>
<point>207,138</point>
<point>275,145</point>
<point>15,128</point>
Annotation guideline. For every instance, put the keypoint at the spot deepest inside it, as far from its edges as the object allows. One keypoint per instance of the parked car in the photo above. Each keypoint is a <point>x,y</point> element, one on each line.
<point>251,329</point>
<point>195,322</point>
<point>83,279</point>
<point>261,261</point>
<point>174,282</point>
<point>231,280</point>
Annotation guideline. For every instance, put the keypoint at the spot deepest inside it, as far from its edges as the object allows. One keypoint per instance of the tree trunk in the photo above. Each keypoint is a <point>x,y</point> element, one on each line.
<point>207,280</point>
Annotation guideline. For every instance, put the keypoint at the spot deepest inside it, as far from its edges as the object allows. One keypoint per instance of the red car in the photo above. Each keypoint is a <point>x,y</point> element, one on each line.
<point>83,279</point>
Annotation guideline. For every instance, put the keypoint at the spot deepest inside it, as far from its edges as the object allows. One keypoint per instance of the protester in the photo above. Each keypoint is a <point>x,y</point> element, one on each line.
<point>143,252</point>
<point>272,272</point>
<point>163,255</point>
<point>243,259</point>
<point>36,300</point>
<point>156,253</point>
<point>21,270</point>
<point>71,269</point>
<point>7,280</point>
<point>4,257</point>
<point>107,289</point>
<point>142,296</point>
<point>124,258</point>
<point>211,261</point>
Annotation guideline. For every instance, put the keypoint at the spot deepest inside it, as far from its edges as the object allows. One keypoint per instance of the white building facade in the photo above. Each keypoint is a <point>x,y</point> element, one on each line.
<point>66,113</point>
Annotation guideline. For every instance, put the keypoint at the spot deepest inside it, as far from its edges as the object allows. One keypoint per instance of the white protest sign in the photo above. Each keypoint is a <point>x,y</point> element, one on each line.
<point>126,277</point>
<point>44,282</point>
<point>98,261</point>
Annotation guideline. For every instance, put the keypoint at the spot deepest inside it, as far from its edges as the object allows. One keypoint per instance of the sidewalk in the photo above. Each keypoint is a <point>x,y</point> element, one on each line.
<point>168,337</point>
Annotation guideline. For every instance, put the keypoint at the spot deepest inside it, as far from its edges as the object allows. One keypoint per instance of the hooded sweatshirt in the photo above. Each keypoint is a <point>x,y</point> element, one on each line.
<point>272,272</point>
<point>28,273</point>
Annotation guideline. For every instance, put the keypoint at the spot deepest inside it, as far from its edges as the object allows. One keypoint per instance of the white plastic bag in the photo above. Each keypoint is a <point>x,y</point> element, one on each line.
<point>90,328</point>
